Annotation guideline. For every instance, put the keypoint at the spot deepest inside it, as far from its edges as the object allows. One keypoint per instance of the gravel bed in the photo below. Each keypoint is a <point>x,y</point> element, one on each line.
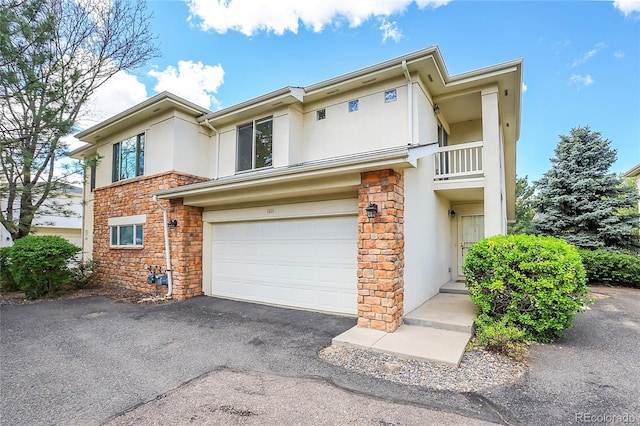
<point>478,370</point>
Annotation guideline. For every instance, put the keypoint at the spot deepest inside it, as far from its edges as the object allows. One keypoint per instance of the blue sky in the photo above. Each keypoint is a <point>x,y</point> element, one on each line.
<point>581,59</point>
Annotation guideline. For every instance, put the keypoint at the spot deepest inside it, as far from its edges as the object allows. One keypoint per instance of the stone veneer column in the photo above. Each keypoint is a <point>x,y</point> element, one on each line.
<point>381,251</point>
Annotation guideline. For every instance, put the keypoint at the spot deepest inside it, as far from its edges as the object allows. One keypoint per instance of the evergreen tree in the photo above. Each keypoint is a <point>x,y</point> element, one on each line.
<point>580,201</point>
<point>524,207</point>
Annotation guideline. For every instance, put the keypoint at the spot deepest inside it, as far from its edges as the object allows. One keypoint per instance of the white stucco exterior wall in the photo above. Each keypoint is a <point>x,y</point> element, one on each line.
<point>425,122</point>
<point>193,148</point>
<point>375,125</point>
<point>492,164</point>
<point>466,132</point>
<point>427,238</point>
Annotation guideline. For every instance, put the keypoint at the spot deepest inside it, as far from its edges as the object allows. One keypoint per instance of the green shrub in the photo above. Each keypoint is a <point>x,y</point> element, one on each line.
<point>39,263</point>
<point>498,337</point>
<point>535,284</point>
<point>84,274</point>
<point>7,283</point>
<point>606,267</point>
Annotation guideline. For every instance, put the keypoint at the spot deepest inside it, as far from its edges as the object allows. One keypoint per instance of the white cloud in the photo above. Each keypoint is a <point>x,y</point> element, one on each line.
<point>562,43</point>
<point>119,93</point>
<point>193,81</point>
<point>590,54</point>
<point>581,81</point>
<point>524,87</point>
<point>390,30</point>
<point>252,16</point>
<point>619,54</point>
<point>627,7</point>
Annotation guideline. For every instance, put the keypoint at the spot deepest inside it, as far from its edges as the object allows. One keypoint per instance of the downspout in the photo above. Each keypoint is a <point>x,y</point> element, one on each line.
<point>216,173</point>
<point>409,101</point>
<point>166,248</point>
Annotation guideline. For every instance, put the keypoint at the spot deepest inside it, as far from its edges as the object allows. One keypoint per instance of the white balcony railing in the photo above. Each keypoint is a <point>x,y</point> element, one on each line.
<point>458,161</point>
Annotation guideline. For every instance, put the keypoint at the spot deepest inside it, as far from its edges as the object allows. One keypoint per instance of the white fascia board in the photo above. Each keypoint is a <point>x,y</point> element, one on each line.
<point>634,171</point>
<point>149,103</point>
<point>85,147</point>
<point>286,95</point>
<point>395,62</point>
<point>398,157</point>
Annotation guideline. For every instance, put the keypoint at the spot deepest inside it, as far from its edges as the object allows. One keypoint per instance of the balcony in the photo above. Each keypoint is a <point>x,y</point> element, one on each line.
<point>458,171</point>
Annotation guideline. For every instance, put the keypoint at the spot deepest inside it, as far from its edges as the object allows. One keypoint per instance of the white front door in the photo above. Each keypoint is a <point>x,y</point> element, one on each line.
<point>470,230</point>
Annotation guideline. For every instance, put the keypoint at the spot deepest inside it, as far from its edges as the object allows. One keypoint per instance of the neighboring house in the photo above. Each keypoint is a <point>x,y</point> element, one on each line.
<point>67,225</point>
<point>270,200</point>
<point>634,174</point>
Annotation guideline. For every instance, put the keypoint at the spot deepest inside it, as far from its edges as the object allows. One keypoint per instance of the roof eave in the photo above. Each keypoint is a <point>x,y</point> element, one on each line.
<point>148,103</point>
<point>634,171</point>
<point>400,157</point>
<point>289,94</point>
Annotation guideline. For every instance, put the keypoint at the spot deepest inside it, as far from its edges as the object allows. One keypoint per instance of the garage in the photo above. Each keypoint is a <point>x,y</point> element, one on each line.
<point>301,262</point>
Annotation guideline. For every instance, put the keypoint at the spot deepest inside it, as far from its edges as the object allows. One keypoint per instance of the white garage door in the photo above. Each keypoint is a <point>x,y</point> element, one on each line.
<point>307,263</point>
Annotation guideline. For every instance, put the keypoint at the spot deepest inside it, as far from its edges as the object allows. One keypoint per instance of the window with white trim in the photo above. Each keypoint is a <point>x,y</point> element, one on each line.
<point>128,158</point>
<point>126,235</point>
<point>127,231</point>
<point>255,145</point>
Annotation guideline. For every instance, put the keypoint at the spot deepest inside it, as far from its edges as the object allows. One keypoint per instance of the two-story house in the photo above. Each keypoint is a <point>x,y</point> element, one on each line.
<point>356,195</point>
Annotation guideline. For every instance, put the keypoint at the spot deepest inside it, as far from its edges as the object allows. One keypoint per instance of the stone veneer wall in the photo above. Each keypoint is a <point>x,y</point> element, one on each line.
<point>126,266</point>
<point>381,251</point>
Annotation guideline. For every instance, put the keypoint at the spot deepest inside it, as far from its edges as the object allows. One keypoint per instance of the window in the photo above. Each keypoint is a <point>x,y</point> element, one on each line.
<point>390,95</point>
<point>443,137</point>
<point>353,105</point>
<point>92,177</point>
<point>127,231</point>
<point>128,158</point>
<point>443,140</point>
<point>321,114</point>
<point>255,145</point>
<point>126,235</point>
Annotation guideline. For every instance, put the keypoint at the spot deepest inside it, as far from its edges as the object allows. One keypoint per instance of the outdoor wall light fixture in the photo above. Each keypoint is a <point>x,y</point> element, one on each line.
<point>452,214</point>
<point>372,210</point>
<point>436,109</point>
<point>172,224</point>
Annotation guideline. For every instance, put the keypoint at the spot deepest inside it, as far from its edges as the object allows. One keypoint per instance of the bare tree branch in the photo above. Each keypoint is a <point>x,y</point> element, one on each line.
<point>53,55</point>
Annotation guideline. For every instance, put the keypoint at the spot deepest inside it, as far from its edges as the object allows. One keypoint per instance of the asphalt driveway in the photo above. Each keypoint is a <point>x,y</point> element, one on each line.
<point>85,361</point>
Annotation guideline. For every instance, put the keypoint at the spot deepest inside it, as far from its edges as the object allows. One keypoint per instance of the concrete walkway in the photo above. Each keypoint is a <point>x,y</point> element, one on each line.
<point>437,331</point>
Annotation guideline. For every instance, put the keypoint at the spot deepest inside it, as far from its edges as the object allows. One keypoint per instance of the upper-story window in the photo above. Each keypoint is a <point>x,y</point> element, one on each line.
<point>92,177</point>
<point>128,158</point>
<point>255,145</point>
